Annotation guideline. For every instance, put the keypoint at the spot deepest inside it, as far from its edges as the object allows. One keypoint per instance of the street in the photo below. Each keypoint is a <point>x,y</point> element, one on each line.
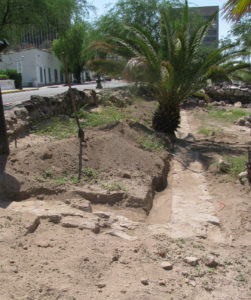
<point>48,91</point>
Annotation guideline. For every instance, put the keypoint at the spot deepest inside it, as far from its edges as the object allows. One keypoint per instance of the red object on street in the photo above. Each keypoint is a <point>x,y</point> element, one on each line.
<point>222,205</point>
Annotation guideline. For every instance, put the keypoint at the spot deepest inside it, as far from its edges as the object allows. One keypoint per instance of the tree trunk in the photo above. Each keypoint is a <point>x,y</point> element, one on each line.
<point>167,118</point>
<point>78,77</point>
<point>249,167</point>
<point>4,145</point>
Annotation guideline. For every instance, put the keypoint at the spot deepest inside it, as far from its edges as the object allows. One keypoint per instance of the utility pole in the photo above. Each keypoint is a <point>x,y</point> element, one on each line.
<point>4,145</point>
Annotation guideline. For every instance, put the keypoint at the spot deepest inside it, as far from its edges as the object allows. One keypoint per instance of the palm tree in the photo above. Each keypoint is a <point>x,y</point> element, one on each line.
<point>235,9</point>
<point>172,66</point>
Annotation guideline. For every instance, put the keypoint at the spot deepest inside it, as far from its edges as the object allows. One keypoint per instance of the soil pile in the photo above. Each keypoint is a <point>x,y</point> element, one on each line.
<point>110,161</point>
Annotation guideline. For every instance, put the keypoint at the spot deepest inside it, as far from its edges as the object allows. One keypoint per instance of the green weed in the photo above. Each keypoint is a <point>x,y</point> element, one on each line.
<point>240,277</point>
<point>226,115</point>
<point>237,164</point>
<point>151,143</point>
<point>115,186</point>
<point>48,173</point>
<point>89,174</point>
<point>40,179</point>
<point>209,132</point>
<point>65,179</point>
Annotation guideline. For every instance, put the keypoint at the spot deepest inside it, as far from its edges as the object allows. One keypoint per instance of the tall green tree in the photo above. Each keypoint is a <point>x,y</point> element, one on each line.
<point>18,15</point>
<point>172,66</point>
<point>74,43</point>
<point>134,12</point>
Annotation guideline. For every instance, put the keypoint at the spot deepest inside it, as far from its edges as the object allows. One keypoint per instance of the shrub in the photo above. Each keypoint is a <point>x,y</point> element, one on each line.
<point>4,76</point>
<point>15,76</point>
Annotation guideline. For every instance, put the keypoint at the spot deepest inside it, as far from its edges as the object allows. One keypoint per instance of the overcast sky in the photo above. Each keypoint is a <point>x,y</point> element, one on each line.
<point>103,5</point>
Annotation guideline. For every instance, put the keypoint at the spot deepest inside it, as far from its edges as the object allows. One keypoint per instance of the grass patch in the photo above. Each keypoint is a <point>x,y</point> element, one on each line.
<point>151,142</point>
<point>65,127</point>
<point>107,116</point>
<point>231,115</point>
<point>58,181</point>
<point>209,132</point>
<point>59,127</point>
<point>238,164</point>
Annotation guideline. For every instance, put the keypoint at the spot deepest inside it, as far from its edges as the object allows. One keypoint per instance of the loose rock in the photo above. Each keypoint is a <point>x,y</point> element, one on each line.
<point>144,281</point>
<point>166,265</point>
<point>211,262</point>
<point>191,260</point>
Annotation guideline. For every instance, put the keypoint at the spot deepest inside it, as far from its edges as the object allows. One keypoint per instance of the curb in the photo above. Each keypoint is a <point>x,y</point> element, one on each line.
<point>19,91</point>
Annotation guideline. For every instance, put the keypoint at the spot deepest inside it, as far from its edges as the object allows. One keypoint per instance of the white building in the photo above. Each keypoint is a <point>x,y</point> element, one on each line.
<point>38,67</point>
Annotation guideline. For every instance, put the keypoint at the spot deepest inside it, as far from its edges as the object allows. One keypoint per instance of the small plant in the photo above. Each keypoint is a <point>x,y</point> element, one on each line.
<point>237,164</point>
<point>89,174</point>
<point>200,273</point>
<point>40,179</point>
<point>240,277</point>
<point>48,173</point>
<point>150,142</point>
<point>115,186</point>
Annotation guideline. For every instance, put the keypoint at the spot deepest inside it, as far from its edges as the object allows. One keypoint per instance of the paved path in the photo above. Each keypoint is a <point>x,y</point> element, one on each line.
<point>185,208</point>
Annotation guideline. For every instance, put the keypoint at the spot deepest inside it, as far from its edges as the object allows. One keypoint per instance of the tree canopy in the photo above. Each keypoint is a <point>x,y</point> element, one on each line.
<point>16,15</point>
<point>134,12</point>
<point>74,43</point>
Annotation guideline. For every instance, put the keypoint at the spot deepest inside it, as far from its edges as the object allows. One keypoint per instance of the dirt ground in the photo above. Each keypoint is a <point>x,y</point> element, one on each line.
<point>119,233</point>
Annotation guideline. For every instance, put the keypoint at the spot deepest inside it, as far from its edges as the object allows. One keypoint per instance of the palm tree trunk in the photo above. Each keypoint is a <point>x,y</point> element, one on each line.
<point>167,117</point>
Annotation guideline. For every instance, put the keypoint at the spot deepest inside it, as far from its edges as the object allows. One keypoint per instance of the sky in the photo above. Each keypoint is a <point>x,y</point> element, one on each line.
<point>103,5</point>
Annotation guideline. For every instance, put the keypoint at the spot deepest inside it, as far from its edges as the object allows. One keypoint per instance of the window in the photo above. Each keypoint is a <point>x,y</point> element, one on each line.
<point>41,74</point>
<point>210,39</point>
<point>45,81</point>
<point>212,31</point>
<point>56,75</point>
<point>49,74</point>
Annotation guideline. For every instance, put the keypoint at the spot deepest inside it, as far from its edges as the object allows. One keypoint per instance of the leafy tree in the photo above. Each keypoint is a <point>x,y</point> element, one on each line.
<point>173,65</point>
<point>18,15</point>
<point>134,12</point>
<point>235,9</point>
<point>74,43</point>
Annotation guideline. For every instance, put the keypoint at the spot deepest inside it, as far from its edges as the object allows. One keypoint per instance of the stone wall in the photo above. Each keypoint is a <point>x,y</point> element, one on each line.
<point>22,116</point>
<point>230,94</point>
<point>7,84</point>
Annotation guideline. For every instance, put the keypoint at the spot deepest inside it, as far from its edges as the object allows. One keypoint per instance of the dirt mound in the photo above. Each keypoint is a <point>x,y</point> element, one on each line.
<point>111,161</point>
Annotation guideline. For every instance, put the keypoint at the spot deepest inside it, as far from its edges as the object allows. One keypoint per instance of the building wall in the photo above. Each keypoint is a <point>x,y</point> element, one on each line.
<point>212,37</point>
<point>38,67</point>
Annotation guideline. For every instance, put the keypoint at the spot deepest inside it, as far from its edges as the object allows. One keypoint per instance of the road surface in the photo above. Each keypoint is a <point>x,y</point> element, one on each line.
<point>48,91</point>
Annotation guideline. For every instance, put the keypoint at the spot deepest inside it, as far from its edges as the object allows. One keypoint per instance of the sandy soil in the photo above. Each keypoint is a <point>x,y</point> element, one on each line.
<point>62,241</point>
